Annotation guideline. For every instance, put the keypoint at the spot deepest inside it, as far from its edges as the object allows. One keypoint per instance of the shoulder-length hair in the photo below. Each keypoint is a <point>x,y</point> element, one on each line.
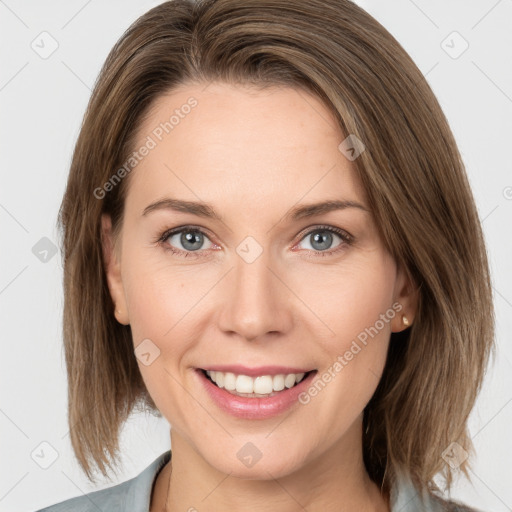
<point>412,173</point>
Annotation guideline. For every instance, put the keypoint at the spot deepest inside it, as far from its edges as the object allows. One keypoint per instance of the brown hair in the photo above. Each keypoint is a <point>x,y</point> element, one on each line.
<point>412,173</point>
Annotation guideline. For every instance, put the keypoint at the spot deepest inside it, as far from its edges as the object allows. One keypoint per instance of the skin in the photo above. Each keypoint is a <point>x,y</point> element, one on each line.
<point>253,155</point>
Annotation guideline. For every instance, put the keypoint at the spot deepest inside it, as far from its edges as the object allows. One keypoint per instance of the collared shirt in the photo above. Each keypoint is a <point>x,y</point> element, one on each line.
<point>134,496</point>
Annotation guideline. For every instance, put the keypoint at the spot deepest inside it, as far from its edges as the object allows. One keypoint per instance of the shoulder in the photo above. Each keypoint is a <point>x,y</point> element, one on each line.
<point>406,498</point>
<point>130,496</point>
<point>451,506</point>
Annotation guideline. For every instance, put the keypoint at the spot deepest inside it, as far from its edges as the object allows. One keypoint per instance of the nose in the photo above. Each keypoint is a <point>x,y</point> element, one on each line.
<point>254,301</point>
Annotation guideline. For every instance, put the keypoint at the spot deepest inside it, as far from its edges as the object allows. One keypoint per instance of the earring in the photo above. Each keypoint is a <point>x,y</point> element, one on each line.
<point>405,321</point>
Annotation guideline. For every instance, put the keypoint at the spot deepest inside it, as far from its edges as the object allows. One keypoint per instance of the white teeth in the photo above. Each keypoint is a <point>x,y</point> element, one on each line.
<point>229,381</point>
<point>289,380</point>
<point>219,379</point>
<point>244,384</point>
<point>278,382</point>
<point>261,385</point>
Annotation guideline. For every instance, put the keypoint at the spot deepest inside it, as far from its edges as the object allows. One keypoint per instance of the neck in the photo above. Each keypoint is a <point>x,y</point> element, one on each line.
<point>335,477</point>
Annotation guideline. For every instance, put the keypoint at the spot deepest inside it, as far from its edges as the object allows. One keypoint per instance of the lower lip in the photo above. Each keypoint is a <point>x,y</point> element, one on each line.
<point>254,408</point>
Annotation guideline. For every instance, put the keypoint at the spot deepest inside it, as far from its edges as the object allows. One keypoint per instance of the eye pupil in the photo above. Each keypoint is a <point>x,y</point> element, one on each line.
<point>191,240</point>
<point>323,238</point>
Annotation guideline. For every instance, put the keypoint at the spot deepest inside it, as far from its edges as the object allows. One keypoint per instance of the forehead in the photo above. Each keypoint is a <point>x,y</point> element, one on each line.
<point>220,141</point>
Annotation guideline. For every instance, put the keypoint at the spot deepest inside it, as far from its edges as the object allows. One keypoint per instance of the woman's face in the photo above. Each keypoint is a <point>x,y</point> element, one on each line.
<point>251,282</point>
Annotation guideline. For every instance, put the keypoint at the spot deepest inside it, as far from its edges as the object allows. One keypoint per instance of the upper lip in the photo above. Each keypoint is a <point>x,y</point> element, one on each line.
<point>257,370</point>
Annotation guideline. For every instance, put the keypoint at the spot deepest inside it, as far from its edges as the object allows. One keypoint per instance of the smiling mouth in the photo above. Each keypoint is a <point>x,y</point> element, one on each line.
<point>255,387</point>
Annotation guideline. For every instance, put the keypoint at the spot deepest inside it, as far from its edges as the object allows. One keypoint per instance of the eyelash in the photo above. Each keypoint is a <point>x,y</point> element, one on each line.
<point>346,238</point>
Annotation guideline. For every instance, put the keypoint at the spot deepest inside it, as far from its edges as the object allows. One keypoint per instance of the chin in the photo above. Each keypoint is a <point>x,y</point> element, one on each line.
<point>249,462</point>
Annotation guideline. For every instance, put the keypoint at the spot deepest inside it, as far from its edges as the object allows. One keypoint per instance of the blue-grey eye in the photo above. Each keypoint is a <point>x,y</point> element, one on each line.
<point>321,239</point>
<point>190,240</point>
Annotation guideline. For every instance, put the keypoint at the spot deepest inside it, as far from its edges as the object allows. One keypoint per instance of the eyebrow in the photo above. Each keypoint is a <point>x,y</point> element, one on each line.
<point>205,210</point>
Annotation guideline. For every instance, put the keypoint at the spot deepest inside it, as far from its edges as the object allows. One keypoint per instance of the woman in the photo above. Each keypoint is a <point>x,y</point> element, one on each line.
<point>270,240</point>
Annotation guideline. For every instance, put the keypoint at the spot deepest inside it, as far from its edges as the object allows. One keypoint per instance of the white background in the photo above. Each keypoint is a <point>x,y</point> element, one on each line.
<point>42,102</point>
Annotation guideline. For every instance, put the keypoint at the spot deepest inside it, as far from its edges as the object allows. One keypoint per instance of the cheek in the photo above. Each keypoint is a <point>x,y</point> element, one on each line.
<point>161,295</point>
<point>357,306</point>
<point>161,302</point>
<point>346,298</point>
<point>166,304</point>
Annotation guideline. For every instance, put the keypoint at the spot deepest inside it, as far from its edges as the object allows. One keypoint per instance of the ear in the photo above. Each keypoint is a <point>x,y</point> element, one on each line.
<point>113,271</point>
<point>406,294</point>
